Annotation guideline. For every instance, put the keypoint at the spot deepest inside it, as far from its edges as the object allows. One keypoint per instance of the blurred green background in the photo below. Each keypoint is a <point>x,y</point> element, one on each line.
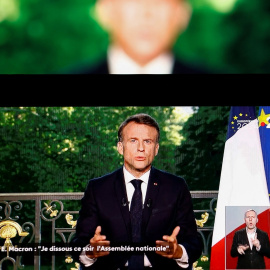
<point>43,37</point>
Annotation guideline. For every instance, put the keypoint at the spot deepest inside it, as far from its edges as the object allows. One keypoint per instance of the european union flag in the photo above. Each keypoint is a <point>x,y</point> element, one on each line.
<point>240,116</point>
<point>264,129</point>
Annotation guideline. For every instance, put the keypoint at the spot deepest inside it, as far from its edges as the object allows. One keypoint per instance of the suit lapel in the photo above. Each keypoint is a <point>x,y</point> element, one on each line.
<point>121,195</point>
<point>151,197</point>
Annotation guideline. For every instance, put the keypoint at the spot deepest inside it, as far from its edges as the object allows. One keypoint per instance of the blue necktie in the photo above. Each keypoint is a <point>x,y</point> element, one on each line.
<point>136,262</point>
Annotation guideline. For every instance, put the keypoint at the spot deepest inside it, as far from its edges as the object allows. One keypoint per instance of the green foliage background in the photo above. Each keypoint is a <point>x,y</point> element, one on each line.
<point>58,149</point>
<point>200,154</point>
<point>38,37</point>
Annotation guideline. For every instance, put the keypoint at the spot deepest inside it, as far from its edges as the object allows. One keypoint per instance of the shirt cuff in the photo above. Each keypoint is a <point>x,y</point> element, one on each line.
<point>85,259</point>
<point>183,261</point>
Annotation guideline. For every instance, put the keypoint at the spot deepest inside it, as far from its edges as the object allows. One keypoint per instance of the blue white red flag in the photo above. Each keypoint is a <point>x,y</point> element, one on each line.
<point>242,180</point>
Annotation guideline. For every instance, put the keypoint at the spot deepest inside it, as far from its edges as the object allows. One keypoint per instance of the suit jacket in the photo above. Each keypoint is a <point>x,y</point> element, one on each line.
<point>167,204</point>
<point>179,67</point>
<point>252,259</point>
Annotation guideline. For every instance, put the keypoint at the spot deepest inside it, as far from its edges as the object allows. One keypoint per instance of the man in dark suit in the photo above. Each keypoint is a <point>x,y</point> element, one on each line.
<point>142,35</point>
<point>167,218</point>
<point>250,244</point>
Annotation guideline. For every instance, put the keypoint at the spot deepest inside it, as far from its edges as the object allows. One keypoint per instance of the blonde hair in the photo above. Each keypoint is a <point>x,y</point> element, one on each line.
<point>250,210</point>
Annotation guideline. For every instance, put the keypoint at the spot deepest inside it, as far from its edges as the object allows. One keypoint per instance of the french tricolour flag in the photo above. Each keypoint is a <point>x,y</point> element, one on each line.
<point>242,185</point>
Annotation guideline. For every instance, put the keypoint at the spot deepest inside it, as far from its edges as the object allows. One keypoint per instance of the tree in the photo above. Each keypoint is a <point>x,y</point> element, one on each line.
<point>199,157</point>
<point>59,149</point>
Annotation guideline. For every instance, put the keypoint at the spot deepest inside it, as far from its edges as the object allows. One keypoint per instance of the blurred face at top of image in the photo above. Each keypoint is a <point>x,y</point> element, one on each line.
<point>251,219</point>
<point>144,28</point>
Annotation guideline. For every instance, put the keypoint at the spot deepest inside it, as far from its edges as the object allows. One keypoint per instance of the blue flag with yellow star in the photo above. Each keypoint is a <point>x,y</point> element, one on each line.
<point>240,116</point>
<point>264,129</point>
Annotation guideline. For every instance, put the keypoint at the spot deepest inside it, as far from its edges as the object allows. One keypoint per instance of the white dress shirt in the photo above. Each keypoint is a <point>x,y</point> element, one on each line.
<point>120,63</point>
<point>251,237</point>
<point>183,261</point>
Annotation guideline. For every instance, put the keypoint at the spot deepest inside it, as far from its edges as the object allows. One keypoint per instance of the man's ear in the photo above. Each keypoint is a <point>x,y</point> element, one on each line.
<point>103,11</point>
<point>156,150</point>
<point>120,148</point>
<point>184,13</point>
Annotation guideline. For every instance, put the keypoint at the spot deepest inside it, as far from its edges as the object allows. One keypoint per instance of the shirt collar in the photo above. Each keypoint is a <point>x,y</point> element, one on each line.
<point>254,231</point>
<point>120,63</point>
<point>128,176</point>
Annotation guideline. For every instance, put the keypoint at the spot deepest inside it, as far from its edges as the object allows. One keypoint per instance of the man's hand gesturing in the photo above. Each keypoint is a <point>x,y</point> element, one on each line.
<point>241,249</point>
<point>174,251</point>
<point>98,241</point>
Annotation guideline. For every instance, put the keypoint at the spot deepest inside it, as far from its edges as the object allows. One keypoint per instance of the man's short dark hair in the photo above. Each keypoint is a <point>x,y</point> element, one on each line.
<point>140,118</point>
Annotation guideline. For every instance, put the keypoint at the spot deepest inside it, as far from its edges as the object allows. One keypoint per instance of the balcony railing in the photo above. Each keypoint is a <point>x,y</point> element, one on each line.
<point>30,220</point>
